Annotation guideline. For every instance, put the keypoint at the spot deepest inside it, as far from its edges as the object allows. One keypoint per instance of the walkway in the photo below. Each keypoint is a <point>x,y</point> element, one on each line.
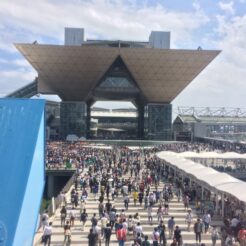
<point>79,237</point>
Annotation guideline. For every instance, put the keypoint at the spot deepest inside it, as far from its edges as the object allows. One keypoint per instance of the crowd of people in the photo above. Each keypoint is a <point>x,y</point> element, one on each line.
<point>137,178</point>
<point>61,153</point>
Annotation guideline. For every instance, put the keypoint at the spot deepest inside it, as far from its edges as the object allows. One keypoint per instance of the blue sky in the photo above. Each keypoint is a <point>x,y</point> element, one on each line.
<point>207,23</point>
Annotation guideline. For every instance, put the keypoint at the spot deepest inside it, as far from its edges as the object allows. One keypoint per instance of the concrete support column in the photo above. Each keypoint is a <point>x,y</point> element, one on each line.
<point>182,178</point>
<point>141,121</point>
<point>175,173</point>
<point>216,202</point>
<point>202,192</point>
<point>223,205</point>
<point>50,186</point>
<point>88,120</point>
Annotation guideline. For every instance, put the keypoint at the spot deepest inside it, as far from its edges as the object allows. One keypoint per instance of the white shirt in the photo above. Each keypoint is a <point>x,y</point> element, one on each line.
<point>207,218</point>
<point>234,222</point>
<point>125,225</point>
<point>47,230</point>
<point>149,211</point>
<point>138,229</point>
<point>189,217</point>
<point>71,214</point>
<point>155,236</point>
<point>104,221</point>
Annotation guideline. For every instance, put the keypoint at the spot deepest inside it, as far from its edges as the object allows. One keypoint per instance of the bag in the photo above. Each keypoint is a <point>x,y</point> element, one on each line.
<point>68,232</point>
<point>215,235</point>
<point>83,217</point>
<point>43,239</point>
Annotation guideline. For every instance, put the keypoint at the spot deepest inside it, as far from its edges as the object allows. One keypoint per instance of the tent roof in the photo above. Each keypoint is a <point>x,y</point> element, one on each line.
<point>228,155</point>
<point>216,180</point>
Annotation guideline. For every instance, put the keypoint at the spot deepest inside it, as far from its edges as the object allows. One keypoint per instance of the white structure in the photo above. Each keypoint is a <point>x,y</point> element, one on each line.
<point>74,36</point>
<point>160,40</point>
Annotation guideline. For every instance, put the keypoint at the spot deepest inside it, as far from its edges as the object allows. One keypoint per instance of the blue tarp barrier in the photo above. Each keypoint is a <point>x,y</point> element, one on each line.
<point>22,145</point>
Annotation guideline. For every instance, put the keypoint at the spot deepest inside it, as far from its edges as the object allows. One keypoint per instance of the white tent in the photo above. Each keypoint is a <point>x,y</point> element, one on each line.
<point>236,189</point>
<point>214,179</point>
<point>212,155</point>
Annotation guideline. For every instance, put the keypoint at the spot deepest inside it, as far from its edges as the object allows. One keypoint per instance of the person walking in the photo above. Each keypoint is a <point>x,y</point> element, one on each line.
<point>206,220</point>
<point>162,230</point>
<point>135,197</point>
<point>83,218</point>
<point>150,216</point>
<point>121,235</point>
<point>72,217</point>
<point>92,238</point>
<point>242,236</point>
<point>198,230</point>
<point>67,233</point>
<point>146,242</point>
<point>45,219</point>
<point>170,225</point>
<point>155,237</point>
<point>107,234</point>
<point>178,236</point>
<point>47,234</point>
<point>104,222</point>
<point>126,201</point>
<point>214,235</point>
<point>189,219</point>
<point>63,215</point>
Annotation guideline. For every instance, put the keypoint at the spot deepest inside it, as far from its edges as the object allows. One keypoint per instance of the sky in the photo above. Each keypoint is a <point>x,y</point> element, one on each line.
<point>210,24</point>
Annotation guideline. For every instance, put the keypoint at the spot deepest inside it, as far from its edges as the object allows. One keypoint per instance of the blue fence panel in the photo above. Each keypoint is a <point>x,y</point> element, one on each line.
<point>22,144</point>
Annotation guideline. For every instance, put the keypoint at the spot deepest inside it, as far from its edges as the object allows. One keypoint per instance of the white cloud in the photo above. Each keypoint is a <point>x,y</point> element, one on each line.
<point>222,83</point>
<point>112,19</point>
<point>196,6</point>
<point>11,80</point>
<point>227,7</point>
<point>26,21</point>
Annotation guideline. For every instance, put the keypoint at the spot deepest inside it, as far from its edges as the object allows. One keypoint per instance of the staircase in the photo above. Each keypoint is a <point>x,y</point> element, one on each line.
<point>79,237</point>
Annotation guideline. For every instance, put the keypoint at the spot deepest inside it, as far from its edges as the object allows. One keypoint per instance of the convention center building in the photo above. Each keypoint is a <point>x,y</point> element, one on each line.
<point>81,72</point>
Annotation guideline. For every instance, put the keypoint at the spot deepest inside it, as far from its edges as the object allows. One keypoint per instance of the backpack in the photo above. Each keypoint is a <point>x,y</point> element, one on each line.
<point>215,235</point>
<point>83,217</point>
<point>107,232</point>
<point>72,199</point>
<point>145,243</point>
<point>93,221</point>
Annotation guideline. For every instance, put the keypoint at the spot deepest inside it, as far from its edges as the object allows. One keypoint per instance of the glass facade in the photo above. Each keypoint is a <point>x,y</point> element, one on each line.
<point>73,119</point>
<point>116,82</point>
<point>158,121</point>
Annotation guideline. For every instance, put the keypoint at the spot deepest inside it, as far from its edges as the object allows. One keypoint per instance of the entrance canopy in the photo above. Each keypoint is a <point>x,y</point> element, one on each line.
<point>218,181</point>
<point>73,72</point>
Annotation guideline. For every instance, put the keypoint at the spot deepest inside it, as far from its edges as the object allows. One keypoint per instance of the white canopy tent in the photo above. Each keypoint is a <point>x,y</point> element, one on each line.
<point>211,155</point>
<point>216,180</point>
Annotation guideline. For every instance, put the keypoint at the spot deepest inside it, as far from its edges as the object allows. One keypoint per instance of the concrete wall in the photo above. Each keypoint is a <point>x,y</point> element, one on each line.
<point>74,36</point>
<point>160,40</point>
